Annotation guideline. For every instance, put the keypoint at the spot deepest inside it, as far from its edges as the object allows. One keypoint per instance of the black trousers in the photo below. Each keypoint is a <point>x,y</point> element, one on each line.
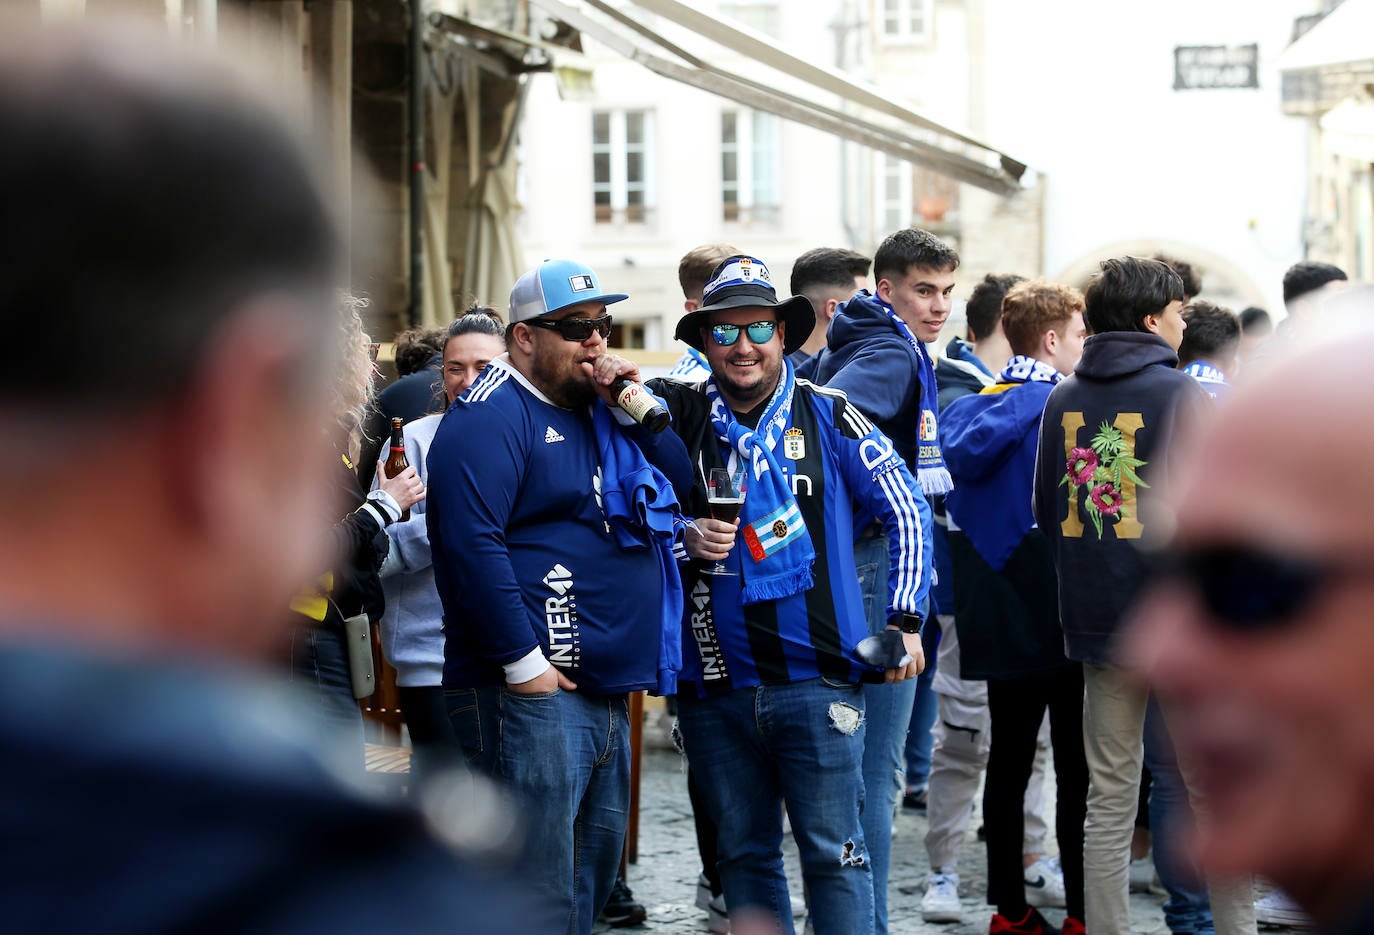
<point>431,732</point>
<point>1017,709</point>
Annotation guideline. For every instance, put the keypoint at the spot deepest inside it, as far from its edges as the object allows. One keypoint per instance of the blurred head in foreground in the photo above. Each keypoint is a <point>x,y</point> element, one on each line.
<point>167,266</point>
<point>1259,633</point>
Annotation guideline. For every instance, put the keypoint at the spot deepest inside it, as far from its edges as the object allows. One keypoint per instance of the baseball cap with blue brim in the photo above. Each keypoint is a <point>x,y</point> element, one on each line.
<point>555,285</point>
<point>744,282</point>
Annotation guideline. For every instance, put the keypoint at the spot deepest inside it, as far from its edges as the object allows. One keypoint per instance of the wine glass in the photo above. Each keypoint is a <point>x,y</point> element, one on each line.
<point>725,499</point>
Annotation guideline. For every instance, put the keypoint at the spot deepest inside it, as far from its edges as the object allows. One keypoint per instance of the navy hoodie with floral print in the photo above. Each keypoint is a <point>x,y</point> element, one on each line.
<point>1105,444</point>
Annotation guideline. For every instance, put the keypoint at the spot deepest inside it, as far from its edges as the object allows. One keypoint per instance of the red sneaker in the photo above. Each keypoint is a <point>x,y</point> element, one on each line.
<point>1033,924</point>
<point>1073,926</point>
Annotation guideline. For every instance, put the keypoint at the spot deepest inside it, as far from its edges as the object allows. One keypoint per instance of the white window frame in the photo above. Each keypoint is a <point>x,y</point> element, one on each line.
<point>619,185</point>
<point>757,183</point>
<point>897,19</point>
<point>895,210</point>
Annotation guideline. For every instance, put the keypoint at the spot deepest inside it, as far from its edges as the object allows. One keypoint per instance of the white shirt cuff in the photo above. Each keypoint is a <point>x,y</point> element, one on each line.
<point>528,667</point>
<point>387,502</point>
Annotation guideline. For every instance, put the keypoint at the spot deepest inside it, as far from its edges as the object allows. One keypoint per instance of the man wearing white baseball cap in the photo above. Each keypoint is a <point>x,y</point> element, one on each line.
<point>552,521</point>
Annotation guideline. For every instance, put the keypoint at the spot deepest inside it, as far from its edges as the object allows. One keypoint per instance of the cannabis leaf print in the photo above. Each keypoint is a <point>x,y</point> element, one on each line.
<point>1104,469</point>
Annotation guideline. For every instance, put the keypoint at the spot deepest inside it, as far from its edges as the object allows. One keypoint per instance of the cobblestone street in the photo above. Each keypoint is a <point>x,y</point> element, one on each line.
<point>664,879</point>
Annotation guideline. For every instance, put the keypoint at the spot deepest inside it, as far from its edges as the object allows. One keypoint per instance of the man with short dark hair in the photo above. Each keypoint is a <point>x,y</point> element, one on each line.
<point>1305,278</point>
<point>876,354</point>
<point>1256,327</point>
<point>777,714</point>
<point>551,524</point>
<point>693,270</point>
<point>172,497</point>
<point>1106,442</point>
<point>1192,282</point>
<point>966,366</point>
<point>1211,345</point>
<point>827,276</point>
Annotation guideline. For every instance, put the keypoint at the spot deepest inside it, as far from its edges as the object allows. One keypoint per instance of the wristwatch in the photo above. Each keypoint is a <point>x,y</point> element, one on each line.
<point>907,623</point>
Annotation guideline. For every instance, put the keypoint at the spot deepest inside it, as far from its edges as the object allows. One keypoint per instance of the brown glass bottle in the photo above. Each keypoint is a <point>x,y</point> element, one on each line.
<point>397,461</point>
<point>640,404</point>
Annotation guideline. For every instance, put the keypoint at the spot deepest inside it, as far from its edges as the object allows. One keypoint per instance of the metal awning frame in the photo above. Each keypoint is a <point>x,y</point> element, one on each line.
<point>917,147</point>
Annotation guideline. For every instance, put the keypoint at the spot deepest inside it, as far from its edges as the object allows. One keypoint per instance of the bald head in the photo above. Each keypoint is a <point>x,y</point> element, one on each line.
<point>1260,644</point>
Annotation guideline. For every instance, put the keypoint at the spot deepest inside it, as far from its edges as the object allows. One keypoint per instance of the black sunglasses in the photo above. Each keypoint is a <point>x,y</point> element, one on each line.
<point>575,329</point>
<point>1245,589</point>
<point>760,332</point>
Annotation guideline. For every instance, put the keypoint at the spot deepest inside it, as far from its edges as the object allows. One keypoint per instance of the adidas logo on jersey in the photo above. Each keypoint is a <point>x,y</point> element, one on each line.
<point>551,435</point>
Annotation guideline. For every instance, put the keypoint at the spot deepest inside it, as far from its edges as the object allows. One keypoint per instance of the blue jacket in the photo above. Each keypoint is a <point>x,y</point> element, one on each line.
<point>524,554</point>
<point>876,368</point>
<point>958,372</point>
<point>837,462</point>
<point>1004,580</point>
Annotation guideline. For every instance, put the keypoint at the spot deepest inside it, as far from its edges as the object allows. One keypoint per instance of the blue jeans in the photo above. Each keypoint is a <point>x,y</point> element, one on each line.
<point>920,742</point>
<point>567,756</point>
<point>319,663</point>
<point>887,712</point>
<point>1187,910</point>
<point>754,749</point>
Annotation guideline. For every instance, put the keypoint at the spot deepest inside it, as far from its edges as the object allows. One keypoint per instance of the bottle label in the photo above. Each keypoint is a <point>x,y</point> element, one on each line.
<point>636,400</point>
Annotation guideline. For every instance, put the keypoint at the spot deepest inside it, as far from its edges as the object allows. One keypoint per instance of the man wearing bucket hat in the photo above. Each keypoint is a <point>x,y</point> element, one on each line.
<point>770,708</point>
<point>552,522</point>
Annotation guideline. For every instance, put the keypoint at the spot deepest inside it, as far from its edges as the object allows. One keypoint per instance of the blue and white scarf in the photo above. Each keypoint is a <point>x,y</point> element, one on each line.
<point>642,513</point>
<point>1211,378</point>
<point>691,367</point>
<point>1023,369</point>
<point>931,472</point>
<point>772,528</point>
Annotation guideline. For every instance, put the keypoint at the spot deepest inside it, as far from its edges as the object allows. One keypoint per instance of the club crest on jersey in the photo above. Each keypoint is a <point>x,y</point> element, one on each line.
<point>794,444</point>
<point>928,427</point>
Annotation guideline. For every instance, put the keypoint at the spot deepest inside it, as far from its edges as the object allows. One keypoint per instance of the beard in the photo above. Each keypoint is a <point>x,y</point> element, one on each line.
<point>562,381</point>
<point>747,396</point>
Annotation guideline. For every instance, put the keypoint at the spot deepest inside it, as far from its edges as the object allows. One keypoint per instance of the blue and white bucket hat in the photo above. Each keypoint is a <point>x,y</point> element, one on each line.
<point>743,281</point>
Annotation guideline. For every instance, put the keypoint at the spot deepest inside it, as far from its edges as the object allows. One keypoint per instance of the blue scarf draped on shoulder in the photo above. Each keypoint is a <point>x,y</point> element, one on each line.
<point>1023,369</point>
<point>643,513</point>
<point>931,473</point>
<point>780,550</point>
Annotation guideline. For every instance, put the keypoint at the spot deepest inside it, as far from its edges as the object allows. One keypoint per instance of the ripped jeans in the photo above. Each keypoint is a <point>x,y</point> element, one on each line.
<point>756,748</point>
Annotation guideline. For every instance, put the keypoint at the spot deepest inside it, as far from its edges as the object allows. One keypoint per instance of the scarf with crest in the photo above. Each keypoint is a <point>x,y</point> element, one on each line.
<point>780,550</point>
<point>931,473</point>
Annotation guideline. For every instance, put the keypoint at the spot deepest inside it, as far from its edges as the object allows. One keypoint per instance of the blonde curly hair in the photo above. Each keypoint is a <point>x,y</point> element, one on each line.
<point>353,390</point>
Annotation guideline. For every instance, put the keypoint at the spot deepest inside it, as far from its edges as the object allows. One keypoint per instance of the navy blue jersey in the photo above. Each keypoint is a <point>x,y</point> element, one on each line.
<point>523,556</point>
<point>836,461</point>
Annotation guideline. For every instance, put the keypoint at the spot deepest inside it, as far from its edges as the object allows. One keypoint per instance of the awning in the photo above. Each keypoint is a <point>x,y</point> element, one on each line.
<point>1348,129</point>
<point>887,126</point>
<point>1343,37</point>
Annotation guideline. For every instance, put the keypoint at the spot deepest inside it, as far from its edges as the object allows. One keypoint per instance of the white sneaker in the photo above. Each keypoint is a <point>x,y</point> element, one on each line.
<point>1277,908</point>
<point>1044,881</point>
<point>941,901</point>
<point>717,919</point>
<point>703,892</point>
<point>1143,877</point>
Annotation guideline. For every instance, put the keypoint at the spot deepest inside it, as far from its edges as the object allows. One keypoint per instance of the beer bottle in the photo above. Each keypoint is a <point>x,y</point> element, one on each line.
<point>640,404</point>
<point>397,462</point>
